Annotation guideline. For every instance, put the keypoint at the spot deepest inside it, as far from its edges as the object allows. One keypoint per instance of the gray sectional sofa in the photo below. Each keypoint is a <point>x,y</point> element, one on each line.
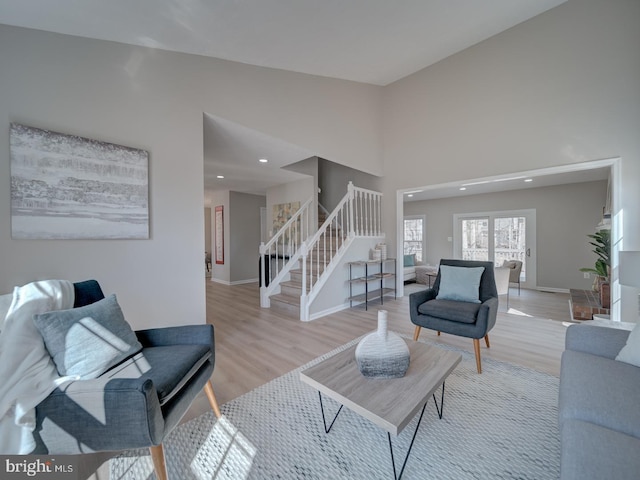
<point>599,406</point>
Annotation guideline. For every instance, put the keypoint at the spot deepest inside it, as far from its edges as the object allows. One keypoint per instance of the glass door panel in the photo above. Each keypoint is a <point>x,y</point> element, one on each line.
<point>475,239</point>
<point>510,241</point>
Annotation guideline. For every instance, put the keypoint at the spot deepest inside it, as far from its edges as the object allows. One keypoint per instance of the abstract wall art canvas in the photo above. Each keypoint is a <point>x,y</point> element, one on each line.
<point>70,187</point>
<point>282,212</point>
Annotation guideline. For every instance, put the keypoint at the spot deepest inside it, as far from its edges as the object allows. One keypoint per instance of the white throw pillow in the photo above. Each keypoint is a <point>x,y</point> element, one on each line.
<point>630,353</point>
<point>5,304</point>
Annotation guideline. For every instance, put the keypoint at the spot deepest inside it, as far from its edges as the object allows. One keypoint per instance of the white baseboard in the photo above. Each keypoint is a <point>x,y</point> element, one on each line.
<point>242,282</point>
<point>237,282</point>
<point>552,289</point>
<point>328,311</point>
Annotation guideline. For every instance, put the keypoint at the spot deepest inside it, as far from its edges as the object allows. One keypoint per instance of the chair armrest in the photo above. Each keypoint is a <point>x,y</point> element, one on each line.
<point>101,414</point>
<point>487,314</point>
<point>596,340</point>
<point>418,298</point>
<point>183,335</point>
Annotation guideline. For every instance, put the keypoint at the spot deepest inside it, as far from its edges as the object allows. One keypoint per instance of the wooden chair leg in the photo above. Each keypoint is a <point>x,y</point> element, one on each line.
<point>476,348</point>
<point>208,389</point>
<point>486,340</point>
<point>157,455</point>
<point>416,333</point>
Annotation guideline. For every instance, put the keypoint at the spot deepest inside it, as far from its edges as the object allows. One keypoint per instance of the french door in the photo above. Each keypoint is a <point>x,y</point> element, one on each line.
<point>498,236</point>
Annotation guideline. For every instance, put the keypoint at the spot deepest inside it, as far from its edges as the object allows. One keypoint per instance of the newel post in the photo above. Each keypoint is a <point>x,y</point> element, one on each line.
<point>264,296</point>
<point>351,221</point>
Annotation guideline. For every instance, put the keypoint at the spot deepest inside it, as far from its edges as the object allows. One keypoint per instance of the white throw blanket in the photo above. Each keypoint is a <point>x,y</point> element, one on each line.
<point>27,372</point>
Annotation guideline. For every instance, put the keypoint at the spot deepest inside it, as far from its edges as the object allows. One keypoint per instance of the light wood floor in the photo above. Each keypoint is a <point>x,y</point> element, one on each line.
<point>255,345</point>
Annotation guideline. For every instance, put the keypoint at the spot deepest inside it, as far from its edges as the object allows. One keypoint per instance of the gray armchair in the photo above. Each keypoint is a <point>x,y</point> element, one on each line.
<point>135,404</point>
<point>465,319</point>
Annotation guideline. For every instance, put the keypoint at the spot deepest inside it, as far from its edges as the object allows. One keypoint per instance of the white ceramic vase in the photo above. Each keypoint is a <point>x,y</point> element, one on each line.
<point>382,354</point>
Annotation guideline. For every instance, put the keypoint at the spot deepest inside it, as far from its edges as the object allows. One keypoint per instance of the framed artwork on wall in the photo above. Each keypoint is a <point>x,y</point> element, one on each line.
<point>69,187</point>
<point>219,235</point>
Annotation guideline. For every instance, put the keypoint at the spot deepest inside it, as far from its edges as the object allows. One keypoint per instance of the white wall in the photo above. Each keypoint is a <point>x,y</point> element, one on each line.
<point>565,215</point>
<point>334,295</point>
<point>558,89</point>
<point>155,100</point>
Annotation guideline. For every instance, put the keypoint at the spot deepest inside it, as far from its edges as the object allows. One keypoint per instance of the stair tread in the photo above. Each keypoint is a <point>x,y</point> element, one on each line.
<point>284,298</point>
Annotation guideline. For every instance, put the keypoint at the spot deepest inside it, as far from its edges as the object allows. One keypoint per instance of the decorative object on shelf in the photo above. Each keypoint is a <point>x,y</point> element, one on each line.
<point>383,250</point>
<point>375,254</point>
<point>382,354</point>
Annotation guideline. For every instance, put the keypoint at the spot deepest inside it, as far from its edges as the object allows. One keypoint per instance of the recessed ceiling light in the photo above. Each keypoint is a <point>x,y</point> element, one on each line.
<point>263,160</point>
<point>529,180</point>
<point>506,179</point>
<point>475,183</point>
<point>219,176</point>
<point>410,195</point>
<point>463,188</point>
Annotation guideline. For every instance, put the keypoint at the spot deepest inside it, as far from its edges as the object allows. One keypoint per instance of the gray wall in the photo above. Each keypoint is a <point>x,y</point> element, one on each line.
<point>558,89</point>
<point>333,179</point>
<point>154,100</point>
<point>244,235</point>
<point>565,214</point>
<point>208,241</point>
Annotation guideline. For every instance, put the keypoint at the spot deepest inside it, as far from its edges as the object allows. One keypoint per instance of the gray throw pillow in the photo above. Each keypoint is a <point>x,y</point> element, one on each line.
<point>87,341</point>
<point>460,283</point>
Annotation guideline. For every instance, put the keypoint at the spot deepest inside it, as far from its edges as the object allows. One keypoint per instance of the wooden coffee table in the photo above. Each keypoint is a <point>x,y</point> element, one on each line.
<point>389,403</point>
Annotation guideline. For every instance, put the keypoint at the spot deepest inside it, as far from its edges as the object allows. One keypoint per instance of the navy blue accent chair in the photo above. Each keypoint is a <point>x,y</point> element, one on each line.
<point>135,404</point>
<point>465,319</point>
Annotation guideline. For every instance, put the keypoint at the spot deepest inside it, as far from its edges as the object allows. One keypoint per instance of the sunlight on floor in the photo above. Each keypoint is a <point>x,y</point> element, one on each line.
<point>520,313</point>
<point>224,454</point>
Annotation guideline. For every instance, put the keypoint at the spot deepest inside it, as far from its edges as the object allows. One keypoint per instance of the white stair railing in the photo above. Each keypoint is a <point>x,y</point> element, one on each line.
<point>282,252</point>
<point>359,214</point>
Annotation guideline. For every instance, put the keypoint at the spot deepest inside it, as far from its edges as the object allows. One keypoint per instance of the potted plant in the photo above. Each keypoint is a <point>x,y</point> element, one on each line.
<point>601,242</point>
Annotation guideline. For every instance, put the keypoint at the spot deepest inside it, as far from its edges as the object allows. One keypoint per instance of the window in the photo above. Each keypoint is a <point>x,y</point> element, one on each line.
<point>414,237</point>
<point>498,236</point>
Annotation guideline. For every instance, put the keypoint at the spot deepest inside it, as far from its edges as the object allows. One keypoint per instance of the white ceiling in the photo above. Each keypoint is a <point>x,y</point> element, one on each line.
<point>370,41</point>
<point>234,151</point>
<point>578,173</point>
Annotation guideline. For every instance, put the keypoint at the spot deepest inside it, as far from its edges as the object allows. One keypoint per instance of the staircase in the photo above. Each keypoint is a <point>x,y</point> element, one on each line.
<point>288,300</point>
<point>304,262</point>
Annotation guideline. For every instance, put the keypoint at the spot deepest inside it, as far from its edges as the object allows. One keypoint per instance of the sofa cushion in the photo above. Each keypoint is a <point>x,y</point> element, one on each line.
<point>591,452</point>
<point>630,353</point>
<point>168,367</point>
<point>463,312</point>
<point>87,341</point>
<point>460,283</point>
<point>601,391</point>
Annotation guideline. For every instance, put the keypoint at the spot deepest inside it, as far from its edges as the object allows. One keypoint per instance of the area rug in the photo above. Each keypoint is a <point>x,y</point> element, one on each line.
<point>498,425</point>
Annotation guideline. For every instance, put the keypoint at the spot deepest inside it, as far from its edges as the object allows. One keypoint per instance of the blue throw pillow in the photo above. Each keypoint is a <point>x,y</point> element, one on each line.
<point>87,341</point>
<point>410,260</point>
<point>460,283</point>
